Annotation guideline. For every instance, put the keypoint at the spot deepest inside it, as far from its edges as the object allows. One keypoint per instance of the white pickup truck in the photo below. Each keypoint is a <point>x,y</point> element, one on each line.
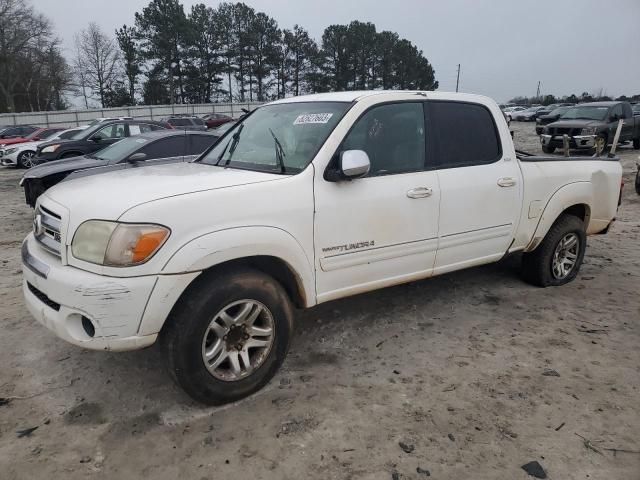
<point>305,200</point>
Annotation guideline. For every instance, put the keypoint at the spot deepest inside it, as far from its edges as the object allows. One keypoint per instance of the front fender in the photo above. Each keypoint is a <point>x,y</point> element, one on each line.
<point>230,244</point>
<point>578,193</point>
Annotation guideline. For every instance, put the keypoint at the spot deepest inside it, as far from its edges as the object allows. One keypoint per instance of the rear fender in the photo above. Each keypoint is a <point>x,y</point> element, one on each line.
<point>578,193</point>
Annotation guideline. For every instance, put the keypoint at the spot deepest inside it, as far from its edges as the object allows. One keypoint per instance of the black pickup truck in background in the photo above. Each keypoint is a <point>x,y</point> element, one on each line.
<point>592,125</point>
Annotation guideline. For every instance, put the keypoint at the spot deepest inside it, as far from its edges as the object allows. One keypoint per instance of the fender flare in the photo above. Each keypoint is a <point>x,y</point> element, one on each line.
<point>577,193</point>
<point>221,246</point>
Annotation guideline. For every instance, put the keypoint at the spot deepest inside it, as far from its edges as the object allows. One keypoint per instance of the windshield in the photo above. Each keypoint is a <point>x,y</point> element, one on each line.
<point>120,150</point>
<point>585,113</point>
<point>282,137</point>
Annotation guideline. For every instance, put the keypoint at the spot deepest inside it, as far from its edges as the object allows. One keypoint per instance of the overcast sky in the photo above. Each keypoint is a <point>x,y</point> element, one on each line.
<point>505,46</point>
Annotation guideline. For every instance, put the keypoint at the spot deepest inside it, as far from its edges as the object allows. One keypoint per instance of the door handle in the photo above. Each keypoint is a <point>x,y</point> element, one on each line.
<point>419,192</point>
<point>506,182</point>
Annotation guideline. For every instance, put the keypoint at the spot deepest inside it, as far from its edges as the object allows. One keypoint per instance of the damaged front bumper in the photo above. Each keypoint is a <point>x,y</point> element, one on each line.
<point>83,308</point>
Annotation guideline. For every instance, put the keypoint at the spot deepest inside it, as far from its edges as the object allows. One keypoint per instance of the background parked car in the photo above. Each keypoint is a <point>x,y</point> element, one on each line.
<point>104,119</point>
<point>550,108</point>
<point>592,125</point>
<point>36,135</point>
<point>551,117</point>
<point>214,120</point>
<point>22,154</point>
<point>528,115</point>
<point>166,146</point>
<point>511,111</point>
<point>95,138</point>
<point>12,131</point>
<point>186,122</point>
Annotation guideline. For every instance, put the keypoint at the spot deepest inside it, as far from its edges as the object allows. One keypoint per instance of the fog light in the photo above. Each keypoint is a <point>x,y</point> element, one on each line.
<point>88,326</point>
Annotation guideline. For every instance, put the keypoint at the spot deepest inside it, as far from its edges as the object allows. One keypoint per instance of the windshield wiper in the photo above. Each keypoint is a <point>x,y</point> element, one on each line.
<point>279,152</point>
<point>235,138</point>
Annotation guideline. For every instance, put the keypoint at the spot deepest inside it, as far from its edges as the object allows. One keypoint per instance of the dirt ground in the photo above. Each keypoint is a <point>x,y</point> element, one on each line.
<point>476,373</point>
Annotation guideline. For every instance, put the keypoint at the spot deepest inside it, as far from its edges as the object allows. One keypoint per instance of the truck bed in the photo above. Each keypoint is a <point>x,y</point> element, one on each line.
<point>530,157</point>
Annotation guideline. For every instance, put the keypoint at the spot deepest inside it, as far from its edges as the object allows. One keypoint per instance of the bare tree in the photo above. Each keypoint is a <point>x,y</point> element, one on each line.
<point>21,31</point>
<point>96,63</point>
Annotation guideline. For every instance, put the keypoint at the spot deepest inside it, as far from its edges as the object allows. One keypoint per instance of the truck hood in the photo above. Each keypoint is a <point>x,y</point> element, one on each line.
<point>109,195</point>
<point>65,165</point>
<point>576,123</point>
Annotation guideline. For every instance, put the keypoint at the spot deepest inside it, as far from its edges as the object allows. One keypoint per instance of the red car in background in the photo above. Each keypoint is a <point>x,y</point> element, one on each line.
<point>213,120</point>
<point>35,136</point>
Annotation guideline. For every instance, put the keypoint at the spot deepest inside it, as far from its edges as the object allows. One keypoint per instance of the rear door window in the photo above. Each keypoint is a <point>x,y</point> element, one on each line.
<point>464,133</point>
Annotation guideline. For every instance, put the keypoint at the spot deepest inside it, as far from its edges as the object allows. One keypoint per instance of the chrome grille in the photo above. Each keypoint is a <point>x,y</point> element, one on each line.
<point>46,230</point>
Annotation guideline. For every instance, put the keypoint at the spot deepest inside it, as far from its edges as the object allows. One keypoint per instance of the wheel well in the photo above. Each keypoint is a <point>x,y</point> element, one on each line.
<point>582,211</point>
<point>274,267</point>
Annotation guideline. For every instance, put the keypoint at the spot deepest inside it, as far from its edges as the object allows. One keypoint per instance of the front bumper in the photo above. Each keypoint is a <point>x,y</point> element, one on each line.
<point>575,142</point>
<point>64,298</point>
<point>10,160</point>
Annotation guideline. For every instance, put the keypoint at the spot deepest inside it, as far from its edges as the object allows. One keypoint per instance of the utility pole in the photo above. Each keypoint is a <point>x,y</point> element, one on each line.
<point>538,92</point>
<point>458,80</point>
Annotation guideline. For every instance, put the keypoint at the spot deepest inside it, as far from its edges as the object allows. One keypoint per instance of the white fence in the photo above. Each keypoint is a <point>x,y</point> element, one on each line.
<point>71,118</point>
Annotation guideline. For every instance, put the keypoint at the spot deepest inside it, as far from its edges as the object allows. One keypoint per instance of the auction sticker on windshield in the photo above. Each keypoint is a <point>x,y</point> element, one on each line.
<point>312,118</point>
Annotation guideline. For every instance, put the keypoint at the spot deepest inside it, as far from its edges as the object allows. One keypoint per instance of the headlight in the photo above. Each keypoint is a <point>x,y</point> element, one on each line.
<point>588,131</point>
<point>50,148</point>
<point>9,151</point>
<point>117,244</point>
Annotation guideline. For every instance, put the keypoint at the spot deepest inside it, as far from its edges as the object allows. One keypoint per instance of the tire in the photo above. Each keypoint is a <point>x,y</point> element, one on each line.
<point>538,266</point>
<point>638,181</point>
<point>636,143</point>
<point>196,320</point>
<point>548,149</point>
<point>25,159</point>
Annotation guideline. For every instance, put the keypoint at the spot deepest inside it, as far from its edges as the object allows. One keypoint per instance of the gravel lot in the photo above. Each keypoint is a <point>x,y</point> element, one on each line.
<point>476,373</point>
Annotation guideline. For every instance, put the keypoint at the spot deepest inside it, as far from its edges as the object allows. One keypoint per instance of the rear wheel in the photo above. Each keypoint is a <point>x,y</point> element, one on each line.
<point>25,159</point>
<point>548,149</point>
<point>558,258</point>
<point>228,335</point>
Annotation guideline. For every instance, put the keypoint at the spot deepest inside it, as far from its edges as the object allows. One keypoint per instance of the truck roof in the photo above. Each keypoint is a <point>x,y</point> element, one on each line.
<point>354,96</point>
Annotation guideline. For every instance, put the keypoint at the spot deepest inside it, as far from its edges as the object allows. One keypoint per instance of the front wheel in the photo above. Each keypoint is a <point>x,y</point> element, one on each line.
<point>548,149</point>
<point>558,258</point>
<point>228,335</point>
<point>25,159</point>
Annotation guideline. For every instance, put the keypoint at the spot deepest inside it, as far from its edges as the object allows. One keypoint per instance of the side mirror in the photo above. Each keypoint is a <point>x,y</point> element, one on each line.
<point>354,163</point>
<point>137,157</point>
<point>35,139</point>
<point>96,139</point>
<point>613,118</point>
